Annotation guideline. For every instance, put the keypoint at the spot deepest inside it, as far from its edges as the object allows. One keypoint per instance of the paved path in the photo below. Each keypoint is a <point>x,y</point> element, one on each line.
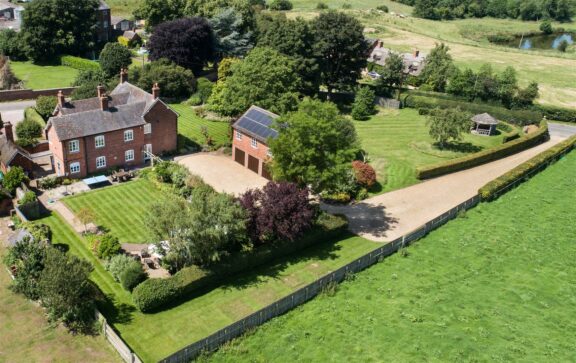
<point>65,213</point>
<point>14,111</point>
<point>392,215</point>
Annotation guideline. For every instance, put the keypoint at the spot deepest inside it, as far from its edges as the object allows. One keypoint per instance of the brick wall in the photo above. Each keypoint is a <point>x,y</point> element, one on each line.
<point>260,152</point>
<point>164,136</point>
<point>114,150</point>
<point>30,94</point>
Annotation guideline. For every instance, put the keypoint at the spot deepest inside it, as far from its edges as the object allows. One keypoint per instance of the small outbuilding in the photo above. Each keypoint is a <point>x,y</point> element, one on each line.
<point>484,124</point>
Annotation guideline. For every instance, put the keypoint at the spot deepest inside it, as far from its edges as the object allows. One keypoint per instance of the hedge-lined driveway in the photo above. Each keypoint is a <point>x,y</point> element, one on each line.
<point>392,215</point>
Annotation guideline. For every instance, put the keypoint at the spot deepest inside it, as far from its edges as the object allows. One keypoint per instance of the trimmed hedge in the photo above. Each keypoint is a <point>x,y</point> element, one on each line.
<point>153,294</point>
<point>486,156</point>
<point>31,114</point>
<point>518,117</point>
<point>490,190</point>
<point>556,113</point>
<point>81,64</point>
<point>511,136</point>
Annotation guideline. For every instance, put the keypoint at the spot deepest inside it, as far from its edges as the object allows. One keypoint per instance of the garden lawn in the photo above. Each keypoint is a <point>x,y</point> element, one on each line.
<point>120,208</point>
<point>494,286</point>
<point>26,336</point>
<point>190,128</point>
<point>43,77</point>
<point>155,336</point>
<point>397,142</point>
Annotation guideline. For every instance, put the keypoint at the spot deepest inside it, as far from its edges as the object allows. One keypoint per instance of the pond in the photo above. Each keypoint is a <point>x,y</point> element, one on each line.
<point>540,41</point>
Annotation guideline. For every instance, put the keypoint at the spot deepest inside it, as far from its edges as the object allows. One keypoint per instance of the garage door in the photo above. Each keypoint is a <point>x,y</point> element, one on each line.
<point>266,172</point>
<point>240,156</point>
<point>253,163</point>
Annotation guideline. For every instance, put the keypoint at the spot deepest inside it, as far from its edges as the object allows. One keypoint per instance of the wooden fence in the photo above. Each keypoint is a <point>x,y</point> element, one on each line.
<point>122,348</point>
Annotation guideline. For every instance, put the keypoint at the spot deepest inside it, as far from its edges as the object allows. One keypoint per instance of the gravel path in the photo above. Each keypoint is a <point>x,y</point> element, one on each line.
<point>392,215</point>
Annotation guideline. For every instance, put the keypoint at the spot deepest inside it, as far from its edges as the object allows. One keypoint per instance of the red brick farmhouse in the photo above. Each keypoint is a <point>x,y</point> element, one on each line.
<point>116,130</point>
<point>251,134</point>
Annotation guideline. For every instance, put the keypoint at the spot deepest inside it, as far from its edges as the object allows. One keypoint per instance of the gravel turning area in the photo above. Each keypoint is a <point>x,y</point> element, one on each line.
<point>392,215</point>
<point>222,173</point>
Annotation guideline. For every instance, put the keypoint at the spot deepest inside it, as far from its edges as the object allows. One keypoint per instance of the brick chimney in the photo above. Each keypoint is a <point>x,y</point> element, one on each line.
<point>8,131</point>
<point>416,53</point>
<point>381,44</point>
<point>156,91</point>
<point>104,102</point>
<point>100,90</point>
<point>123,75</point>
<point>61,99</point>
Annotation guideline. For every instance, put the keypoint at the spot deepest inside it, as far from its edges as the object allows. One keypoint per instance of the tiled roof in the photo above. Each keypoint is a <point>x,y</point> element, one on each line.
<point>257,122</point>
<point>96,122</point>
<point>485,119</point>
<point>8,150</point>
<point>18,236</point>
<point>93,103</point>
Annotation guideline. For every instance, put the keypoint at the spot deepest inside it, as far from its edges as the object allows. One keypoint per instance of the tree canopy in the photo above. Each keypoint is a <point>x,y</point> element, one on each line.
<point>188,42</point>
<point>438,68</point>
<point>113,58</point>
<point>448,124</point>
<point>392,72</point>
<point>264,78</point>
<point>55,27</point>
<point>174,81</point>
<point>156,12</point>
<point>341,49</point>
<point>232,38</point>
<point>315,146</point>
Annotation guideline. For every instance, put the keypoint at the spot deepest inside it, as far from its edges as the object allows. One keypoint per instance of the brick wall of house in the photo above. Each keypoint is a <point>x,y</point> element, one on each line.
<point>71,157</point>
<point>244,144</point>
<point>164,136</point>
<point>114,150</point>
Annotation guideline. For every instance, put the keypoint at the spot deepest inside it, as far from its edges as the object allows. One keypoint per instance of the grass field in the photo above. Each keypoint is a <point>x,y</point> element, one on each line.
<point>155,336</point>
<point>26,336</point>
<point>120,208</point>
<point>190,127</point>
<point>397,142</point>
<point>494,286</point>
<point>43,77</point>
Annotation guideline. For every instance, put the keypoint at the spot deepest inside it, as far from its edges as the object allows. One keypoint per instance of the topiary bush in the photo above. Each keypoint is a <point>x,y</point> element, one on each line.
<point>153,293</point>
<point>117,264</point>
<point>132,276</point>
<point>109,246</point>
<point>45,106</point>
<point>364,173</point>
<point>79,63</point>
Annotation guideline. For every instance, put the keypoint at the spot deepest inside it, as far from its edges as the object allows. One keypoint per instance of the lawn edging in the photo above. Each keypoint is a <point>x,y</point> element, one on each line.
<point>526,170</point>
<point>483,157</point>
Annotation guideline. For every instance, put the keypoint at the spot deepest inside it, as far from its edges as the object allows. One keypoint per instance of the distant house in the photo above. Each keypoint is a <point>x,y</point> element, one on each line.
<point>104,22</point>
<point>120,24</point>
<point>413,62</point>
<point>133,37</point>
<point>251,134</point>
<point>121,129</point>
<point>10,15</point>
<point>12,154</point>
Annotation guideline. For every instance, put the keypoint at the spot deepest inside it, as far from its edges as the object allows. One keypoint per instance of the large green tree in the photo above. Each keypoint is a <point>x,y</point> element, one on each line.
<point>448,125</point>
<point>341,49</point>
<point>439,66</point>
<point>315,146</point>
<point>232,37</point>
<point>54,27</point>
<point>66,290</point>
<point>392,73</point>
<point>294,38</point>
<point>174,81</point>
<point>264,78</point>
<point>26,261</point>
<point>113,58</point>
<point>156,12</point>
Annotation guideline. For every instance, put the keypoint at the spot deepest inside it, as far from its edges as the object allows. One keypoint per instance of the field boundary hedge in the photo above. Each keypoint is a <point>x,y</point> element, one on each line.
<point>526,170</point>
<point>79,63</point>
<point>517,117</point>
<point>485,156</point>
<point>153,294</point>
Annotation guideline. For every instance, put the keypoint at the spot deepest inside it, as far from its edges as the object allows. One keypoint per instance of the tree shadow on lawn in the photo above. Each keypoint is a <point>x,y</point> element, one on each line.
<point>456,146</point>
<point>115,312</point>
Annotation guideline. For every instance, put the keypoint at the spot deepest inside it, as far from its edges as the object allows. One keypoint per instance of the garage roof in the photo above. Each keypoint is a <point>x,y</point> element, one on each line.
<point>257,122</point>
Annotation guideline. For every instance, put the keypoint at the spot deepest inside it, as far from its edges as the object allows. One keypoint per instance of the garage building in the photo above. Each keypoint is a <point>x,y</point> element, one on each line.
<point>251,134</point>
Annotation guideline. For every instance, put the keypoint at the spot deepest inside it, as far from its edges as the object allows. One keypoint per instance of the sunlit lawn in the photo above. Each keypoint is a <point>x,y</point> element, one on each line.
<point>190,128</point>
<point>43,77</point>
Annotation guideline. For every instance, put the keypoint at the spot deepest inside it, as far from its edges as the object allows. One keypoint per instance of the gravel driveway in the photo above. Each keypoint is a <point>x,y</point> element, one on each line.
<point>222,173</point>
<point>392,215</point>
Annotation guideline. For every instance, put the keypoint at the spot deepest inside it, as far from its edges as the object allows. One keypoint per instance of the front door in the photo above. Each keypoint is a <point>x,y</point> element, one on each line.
<point>147,152</point>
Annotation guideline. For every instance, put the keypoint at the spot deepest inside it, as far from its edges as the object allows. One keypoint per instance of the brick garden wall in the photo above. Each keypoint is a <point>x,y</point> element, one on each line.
<point>30,94</point>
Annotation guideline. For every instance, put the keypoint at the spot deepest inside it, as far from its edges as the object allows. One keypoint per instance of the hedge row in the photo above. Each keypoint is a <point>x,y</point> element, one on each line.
<point>517,117</point>
<point>79,63</point>
<point>31,114</point>
<point>153,294</point>
<point>556,113</point>
<point>490,190</point>
<point>486,156</point>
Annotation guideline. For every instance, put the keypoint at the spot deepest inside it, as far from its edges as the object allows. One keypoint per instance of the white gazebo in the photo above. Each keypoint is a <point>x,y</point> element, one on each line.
<point>484,124</point>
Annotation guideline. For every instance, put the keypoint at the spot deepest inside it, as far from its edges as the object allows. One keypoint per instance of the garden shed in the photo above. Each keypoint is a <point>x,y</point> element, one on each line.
<point>484,124</point>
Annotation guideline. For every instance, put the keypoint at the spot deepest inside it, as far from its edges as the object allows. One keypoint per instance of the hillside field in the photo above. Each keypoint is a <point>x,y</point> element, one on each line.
<point>495,285</point>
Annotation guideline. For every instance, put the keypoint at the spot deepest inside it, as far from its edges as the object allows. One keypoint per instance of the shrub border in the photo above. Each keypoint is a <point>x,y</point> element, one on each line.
<point>493,189</point>
<point>482,157</point>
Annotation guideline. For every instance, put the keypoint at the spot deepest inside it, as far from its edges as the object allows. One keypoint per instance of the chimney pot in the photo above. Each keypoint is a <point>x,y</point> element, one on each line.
<point>381,44</point>
<point>61,98</point>
<point>156,91</point>
<point>123,75</point>
<point>100,90</point>
<point>416,53</point>
<point>104,102</point>
<point>8,131</point>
